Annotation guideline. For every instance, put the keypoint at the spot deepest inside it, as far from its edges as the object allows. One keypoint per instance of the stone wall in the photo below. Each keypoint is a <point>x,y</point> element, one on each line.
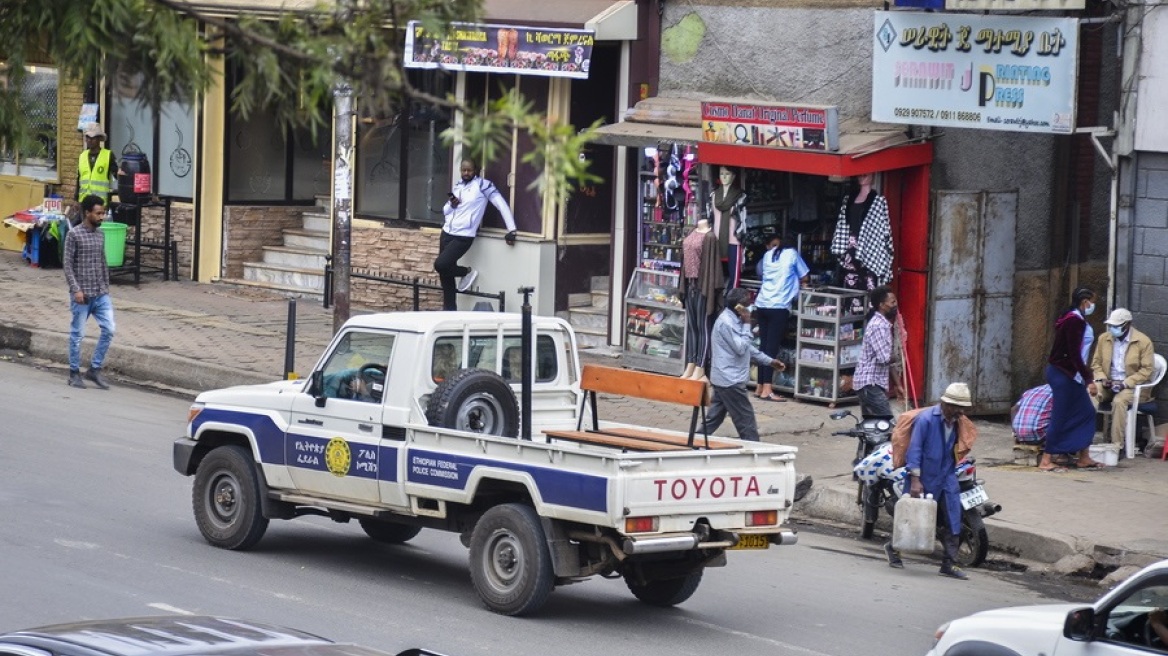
<point>247,229</point>
<point>400,253</point>
<point>1149,256</point>
<point>181,232</point>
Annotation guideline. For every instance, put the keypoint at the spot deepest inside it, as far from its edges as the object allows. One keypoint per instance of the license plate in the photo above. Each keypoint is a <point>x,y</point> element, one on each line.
<point>973,498</point>
<point>753,542</point>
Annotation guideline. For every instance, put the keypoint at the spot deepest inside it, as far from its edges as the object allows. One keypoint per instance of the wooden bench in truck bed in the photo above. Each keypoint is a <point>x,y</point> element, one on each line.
<point>641,385</point>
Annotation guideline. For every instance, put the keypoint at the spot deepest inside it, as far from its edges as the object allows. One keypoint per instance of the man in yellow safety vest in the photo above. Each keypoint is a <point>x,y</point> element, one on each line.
<point>96,167</point>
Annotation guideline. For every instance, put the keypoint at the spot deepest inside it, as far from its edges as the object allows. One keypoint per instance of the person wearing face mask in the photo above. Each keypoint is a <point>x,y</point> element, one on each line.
<point>1072,415</point>
<point>876,355</point>
<point>1123,359</point>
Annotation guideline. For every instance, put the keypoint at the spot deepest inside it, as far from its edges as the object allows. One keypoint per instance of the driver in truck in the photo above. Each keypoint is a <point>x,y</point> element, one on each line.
<point>364,383</point>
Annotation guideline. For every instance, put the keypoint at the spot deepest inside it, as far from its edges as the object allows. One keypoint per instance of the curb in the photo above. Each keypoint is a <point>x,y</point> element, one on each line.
<point>837,503</point>
<point>139,365</point>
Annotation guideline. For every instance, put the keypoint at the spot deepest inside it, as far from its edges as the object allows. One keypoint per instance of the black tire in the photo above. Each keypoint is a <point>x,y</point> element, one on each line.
<point>973,544</point>
<point>870,510</point>
<point>510,565</point>
<point>389,532</point>
<point>226,499</point>
<point>666,592</point>
<point>477,401</point>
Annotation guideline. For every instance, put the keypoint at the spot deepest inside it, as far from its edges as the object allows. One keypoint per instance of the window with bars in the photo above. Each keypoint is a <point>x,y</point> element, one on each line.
<point>36,156</point>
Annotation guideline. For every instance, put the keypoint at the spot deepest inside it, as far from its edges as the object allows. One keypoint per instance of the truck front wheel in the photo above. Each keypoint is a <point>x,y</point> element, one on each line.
<point>226,499</point>
<point>510,565</point>
<point>389,532</point>
<point>665,592</point>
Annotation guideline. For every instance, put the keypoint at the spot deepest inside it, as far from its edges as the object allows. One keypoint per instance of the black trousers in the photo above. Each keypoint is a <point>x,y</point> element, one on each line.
<point>772,325</point>
<point>450,249</point>
<point>734,401</point>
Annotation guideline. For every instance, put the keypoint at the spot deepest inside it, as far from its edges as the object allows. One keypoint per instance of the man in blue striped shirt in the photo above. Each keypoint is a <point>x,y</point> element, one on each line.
<point>876,355</point>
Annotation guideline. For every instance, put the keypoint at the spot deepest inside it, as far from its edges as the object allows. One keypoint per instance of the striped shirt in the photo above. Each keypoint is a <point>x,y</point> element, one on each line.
<point>876,354</point>
<point>1033,416</point>
<point>85,267</point>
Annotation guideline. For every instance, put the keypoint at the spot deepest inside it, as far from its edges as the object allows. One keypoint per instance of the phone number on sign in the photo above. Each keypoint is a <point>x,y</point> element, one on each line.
<point>937,114</point>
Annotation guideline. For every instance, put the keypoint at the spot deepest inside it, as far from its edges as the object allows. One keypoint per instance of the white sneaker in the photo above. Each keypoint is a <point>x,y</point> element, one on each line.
<point>467,280</point>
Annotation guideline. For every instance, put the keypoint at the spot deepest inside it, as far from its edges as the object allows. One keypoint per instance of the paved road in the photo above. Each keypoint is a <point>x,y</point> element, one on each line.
<point>97,524</point>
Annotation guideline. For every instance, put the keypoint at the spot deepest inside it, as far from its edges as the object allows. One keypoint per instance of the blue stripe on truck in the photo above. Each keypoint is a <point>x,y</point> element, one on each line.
<point>269,437</point>
<point>556,486</point>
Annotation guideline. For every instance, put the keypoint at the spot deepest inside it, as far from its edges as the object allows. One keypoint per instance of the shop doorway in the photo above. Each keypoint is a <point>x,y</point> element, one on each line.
<point>972,295</point>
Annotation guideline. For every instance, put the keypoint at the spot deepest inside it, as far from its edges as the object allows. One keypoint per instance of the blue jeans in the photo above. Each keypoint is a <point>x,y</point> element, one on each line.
<point>102,309</point>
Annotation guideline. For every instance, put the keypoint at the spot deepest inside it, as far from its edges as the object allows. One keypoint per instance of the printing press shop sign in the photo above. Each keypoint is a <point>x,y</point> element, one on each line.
<point>551,52</point>
<point>801,127</point>
<point>1013,73</point>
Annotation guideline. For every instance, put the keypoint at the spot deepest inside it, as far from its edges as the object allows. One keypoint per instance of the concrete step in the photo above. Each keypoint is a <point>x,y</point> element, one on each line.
<point>317,222</point>
<point>591,337</point>
<point>580,300</point>
<point>588,317</point>
<point>325,201</point>
<point>308,280</point>
<point>301,258</point>
<point>600,283</point>
<point>301,238</point>
<point>283,290</point>
<point>600,299</point>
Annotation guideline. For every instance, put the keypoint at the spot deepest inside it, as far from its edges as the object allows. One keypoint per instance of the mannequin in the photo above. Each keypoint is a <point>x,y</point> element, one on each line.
<point>702,281</point>
<point>863,240</point>
<point>729,210</point>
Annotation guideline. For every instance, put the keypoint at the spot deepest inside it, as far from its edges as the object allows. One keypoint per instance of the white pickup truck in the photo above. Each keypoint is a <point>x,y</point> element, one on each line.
<point>410,421</point>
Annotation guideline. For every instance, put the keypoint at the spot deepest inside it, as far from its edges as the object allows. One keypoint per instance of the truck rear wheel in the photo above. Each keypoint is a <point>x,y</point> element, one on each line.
<point>510,565</point>
<point>226,499</point>
<point>389,532</point>
<point>666,592</point>
<point>477,401</point>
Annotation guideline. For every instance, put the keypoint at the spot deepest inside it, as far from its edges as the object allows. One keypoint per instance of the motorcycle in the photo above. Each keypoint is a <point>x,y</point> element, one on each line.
<point>881,487</point>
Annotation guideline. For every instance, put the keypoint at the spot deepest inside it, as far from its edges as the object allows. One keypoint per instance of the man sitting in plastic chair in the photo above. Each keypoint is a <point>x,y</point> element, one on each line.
<point>1123,365</point>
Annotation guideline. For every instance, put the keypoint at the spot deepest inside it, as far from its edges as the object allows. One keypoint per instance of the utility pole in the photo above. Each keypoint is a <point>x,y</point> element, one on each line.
<point>342,201</point>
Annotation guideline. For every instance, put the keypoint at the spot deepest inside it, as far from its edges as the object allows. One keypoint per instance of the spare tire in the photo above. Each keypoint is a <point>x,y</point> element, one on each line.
<point>476,401</point>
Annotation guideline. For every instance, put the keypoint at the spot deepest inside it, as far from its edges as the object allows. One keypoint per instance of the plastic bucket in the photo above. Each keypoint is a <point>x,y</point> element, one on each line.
<point>115,242</point>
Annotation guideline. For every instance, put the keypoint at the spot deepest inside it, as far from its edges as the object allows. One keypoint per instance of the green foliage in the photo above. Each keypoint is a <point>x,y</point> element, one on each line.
<point>486,136</point>
<point>287,65</point>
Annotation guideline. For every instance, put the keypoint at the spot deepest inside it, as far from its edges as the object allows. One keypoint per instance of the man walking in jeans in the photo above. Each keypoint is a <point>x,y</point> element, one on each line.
<point>876,355</point>
<point>464,210</point>
<point>88,278</point>
<point>733,349</point>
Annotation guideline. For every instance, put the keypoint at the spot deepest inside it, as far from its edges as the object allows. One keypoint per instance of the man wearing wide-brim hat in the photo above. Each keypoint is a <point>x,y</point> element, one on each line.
<point>96,167</point>
<point>932,468</point>
<point>1124,357</point>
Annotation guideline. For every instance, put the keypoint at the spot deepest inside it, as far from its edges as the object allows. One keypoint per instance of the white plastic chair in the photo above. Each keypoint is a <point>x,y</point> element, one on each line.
<point>1133,413</point>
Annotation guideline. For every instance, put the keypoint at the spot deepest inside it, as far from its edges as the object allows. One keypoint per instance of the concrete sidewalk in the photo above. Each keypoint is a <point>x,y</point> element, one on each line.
<point>193,337</point>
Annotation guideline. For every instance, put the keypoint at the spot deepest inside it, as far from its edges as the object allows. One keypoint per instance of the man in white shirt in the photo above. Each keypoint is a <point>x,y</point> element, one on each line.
<point>464,210</point>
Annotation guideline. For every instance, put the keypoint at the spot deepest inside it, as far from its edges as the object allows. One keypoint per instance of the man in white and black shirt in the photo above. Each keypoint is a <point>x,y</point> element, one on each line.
<point>464,214</point>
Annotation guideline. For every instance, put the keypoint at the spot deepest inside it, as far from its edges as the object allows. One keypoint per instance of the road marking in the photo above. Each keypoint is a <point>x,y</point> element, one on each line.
<point>167,608</point>
<point>76,544</point>
<point>787,647</point>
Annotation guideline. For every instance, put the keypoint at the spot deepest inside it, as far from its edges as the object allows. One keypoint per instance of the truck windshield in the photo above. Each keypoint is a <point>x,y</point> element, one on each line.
<point>358,366</point>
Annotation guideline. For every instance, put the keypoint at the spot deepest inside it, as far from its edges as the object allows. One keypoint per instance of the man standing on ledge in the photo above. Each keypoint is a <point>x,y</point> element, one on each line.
<point>464,210</point>
<point>96,167</point>
<point>88,278</point>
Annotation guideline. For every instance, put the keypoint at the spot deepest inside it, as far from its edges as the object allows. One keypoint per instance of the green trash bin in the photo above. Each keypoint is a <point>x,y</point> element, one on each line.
<point>115,242</point>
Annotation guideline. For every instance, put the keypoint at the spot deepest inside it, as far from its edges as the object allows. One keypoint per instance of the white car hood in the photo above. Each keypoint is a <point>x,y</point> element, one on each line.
<point>233,395</point>
<point>1025,629</point>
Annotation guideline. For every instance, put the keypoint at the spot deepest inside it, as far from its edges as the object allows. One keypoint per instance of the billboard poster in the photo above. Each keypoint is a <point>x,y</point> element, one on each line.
<point>771,125</point>
<point>547,51</point>
<point>1012,73</point>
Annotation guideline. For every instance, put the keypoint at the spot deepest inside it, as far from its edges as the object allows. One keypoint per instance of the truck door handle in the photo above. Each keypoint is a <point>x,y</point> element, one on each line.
<point>368,428</point>
<point>311,422</point>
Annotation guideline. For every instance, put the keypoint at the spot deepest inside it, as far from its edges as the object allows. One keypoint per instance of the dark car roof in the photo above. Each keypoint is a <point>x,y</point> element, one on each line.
<point>180,635</point>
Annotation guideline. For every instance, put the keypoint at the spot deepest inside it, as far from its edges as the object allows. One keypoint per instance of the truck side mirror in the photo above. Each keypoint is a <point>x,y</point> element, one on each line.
<point>316,388</point>
<point>1080,625</point>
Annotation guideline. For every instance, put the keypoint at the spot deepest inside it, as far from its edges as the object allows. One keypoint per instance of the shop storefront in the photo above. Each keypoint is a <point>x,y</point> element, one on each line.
<point>785,176</point>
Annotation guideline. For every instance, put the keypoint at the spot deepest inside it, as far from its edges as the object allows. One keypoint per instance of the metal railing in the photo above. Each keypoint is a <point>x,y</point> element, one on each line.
<point>415,283</point>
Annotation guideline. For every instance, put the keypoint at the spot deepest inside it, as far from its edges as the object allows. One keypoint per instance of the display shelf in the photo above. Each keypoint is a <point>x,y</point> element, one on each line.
<point>669,193</point>
<point>829,344</point>
<point>654,338</point>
